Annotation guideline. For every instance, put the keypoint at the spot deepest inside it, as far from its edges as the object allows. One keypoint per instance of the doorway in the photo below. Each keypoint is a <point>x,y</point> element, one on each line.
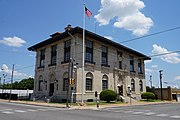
<point>120,90</point>
<point>51,89</point>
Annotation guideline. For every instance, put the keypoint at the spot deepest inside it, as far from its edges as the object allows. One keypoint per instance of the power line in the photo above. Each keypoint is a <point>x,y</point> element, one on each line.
<point>168,30</point>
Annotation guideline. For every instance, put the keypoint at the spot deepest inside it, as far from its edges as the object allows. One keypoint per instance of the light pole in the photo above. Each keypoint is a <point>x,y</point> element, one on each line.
<point>160,72</point>
<point>4,75</point>
<point>150,80</point>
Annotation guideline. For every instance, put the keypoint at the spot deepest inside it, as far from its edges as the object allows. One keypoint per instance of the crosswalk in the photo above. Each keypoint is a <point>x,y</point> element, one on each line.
<point>140,112</point>
<point>14,111</point>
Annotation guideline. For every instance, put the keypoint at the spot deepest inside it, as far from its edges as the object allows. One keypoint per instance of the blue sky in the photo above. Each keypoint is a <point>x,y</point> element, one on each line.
<point>26,22</point>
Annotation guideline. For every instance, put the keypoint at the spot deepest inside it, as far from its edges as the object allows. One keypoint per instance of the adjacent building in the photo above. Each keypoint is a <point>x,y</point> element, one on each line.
<point>108,65</point>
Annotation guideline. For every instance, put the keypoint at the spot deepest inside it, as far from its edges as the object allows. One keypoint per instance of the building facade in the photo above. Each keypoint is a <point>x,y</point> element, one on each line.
<point>108,65</point>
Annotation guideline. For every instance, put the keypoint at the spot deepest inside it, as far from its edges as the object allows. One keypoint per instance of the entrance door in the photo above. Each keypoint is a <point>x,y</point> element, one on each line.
<point>120,89</point>
<point>51,89</point>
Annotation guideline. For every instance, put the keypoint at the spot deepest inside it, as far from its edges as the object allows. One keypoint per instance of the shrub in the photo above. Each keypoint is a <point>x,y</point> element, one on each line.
<point>108,95</point>
<point>147,95</point>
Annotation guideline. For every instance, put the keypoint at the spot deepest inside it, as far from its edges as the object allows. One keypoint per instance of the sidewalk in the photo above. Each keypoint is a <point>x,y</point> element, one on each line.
<point>58,105</point>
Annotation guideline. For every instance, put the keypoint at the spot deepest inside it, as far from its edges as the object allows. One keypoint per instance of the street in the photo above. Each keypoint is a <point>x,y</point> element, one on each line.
<point>14,111</point>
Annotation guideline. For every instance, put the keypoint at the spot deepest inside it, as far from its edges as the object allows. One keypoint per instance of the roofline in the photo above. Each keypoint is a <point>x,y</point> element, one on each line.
<point>89,34</point>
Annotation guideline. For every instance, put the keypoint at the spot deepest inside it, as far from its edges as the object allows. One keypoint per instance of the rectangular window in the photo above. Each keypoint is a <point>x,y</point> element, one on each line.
<point>67,50</point>
<point>53,54</point>
<point>119,54</point>
<point>65,84</point>
<point>139,66</point>
<point>88,84</point>
<point>42,58</point>
<point>120,64</point>
<point>89,51</point>
<point>104,84</point>
<point>104,56</point>
<point>57,87</point>
<point>131,64</point>
<point>40,88</point>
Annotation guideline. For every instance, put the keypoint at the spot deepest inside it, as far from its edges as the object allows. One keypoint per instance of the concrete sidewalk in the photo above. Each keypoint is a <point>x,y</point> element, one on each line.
<point>85,106</point>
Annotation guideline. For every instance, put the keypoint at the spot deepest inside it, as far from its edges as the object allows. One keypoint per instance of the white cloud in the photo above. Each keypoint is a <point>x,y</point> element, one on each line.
<point>147,61</point>
<point>170,58</point>
<point>109,37</point>
<point>127,14</point>
<point>13,41</point>
<point>5,69</point>
<point>177,78</point>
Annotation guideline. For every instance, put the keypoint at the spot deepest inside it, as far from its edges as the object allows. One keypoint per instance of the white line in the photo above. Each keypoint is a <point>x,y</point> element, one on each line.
<point>7,112</point>
<point>149,113</point>
<point>138,113</point>
<point>31,110</point>
<point>175,116</point>
<point>162,115</point>
<point>42,109</point>
<point>20,111</point>
<point>127,111</point>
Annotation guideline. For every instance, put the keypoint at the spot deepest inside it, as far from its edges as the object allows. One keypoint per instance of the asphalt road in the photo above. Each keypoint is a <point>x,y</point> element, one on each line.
<point>13,111</point>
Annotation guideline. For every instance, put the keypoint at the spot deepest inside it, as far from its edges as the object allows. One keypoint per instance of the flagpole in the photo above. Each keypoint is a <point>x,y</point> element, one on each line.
<point>82,95</point>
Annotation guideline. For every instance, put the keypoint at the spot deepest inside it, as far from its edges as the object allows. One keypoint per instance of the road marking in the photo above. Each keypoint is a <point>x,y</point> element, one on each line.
<point>175,116</point>
<point>127,111</point>
<point>7,112</point>
<point>149,113</point>
<point>162,115</point>
<point>138,113</point>
<point>42,109</point>
<point>31,110</point>
<point>20,111</point>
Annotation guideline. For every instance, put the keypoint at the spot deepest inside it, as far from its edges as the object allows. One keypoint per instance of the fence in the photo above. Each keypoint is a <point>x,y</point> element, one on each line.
<point>21,94</point>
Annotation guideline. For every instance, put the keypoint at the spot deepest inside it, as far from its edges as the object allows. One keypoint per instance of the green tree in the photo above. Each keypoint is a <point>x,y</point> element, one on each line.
<point>148,95</point>
<point>23,84</point>
<point>26,84</point>
<point>108,95</point>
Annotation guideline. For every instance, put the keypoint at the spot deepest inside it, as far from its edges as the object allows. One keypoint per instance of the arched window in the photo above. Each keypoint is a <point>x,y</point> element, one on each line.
<point>132,85</point>
<point>89,81</point>
<point>104,82</point>
<point>141,85</point>
<point>40,86</point>
<point>65,81</point>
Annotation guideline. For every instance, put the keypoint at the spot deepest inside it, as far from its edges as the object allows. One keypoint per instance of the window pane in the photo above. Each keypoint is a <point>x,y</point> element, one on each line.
<point>42,57</point>
<point>67,50</point>
<point>53,54</point>
<point>104,84</point>
<point>88,84</point>
<point>89,44</point>
<point>65,84</point>
<point>141,85</point>
<point>104,49</point>
<point>132,85</point>
<point>131,63</point>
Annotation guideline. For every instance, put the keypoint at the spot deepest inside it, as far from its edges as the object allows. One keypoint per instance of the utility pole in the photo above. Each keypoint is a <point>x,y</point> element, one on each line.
<point>69,78</point>
<point>0,82</point>
<point>4,75</point>
<point>150,80</point>
<point>11,83</point>
<point>160,72</point>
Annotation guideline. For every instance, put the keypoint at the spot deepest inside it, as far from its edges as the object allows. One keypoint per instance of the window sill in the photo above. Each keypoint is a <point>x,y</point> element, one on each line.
<point>51,65</point>
<point>104,65</point>
<point>88,91</point>
<point>40,67</point>
<point>64,62</point>
<point>89,62</point>
<point>132,71</point>
<point>141,73</point>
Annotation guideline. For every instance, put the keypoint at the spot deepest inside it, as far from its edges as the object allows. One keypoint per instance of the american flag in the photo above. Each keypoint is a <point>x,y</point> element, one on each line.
<point>88,12</point>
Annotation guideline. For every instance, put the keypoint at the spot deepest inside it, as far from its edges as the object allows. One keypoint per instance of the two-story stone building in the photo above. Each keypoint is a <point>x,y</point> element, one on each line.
<point>108,65</point>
